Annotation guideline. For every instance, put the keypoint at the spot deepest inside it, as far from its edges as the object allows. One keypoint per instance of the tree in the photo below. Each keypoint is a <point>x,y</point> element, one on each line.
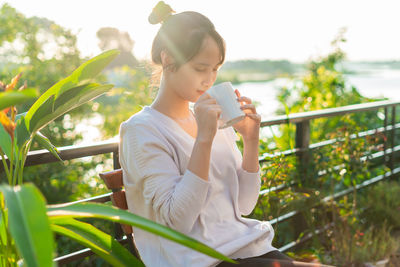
<point>45,52</point>
<point>323,86</point>
<point>112,38</point>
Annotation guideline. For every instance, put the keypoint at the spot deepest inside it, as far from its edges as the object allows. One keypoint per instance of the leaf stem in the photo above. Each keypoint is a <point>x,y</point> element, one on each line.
<point>9,177</point>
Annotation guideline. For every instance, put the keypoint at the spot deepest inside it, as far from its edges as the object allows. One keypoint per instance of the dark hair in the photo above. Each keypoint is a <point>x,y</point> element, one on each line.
<point>182,36</point>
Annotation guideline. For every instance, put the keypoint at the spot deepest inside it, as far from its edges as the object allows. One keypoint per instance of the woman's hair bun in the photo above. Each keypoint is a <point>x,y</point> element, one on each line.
<point>161,12</point>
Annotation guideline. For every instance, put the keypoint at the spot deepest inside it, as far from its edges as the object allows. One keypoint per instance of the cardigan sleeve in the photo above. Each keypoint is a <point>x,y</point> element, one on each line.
<point>249,183</point>
<point>176,199</point>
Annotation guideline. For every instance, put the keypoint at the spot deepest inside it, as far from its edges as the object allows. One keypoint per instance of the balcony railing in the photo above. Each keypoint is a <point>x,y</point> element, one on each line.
<point>301,150</point>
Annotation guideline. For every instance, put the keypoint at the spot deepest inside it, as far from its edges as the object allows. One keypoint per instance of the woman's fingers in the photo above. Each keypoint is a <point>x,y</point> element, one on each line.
<point>256,117</point>
<point>237,93</point>
<point>244,99</point>
<point>241,98</point>
<point>249,107</point>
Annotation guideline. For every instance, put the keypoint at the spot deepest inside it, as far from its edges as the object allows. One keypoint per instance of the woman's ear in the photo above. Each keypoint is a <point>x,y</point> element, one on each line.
<point>168,63</point>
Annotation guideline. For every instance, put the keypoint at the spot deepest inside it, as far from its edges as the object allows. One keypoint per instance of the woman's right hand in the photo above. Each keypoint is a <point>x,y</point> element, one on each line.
<point>207,113</point>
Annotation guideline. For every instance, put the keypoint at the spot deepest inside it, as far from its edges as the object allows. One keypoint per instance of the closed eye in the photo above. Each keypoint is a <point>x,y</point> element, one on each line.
<point>200,70</point>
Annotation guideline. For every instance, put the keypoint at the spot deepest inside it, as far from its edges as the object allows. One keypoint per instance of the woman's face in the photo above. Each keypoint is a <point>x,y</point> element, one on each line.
<point>196,76</point>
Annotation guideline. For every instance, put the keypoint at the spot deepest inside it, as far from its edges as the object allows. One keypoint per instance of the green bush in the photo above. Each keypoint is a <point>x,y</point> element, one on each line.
<point>381,204</point>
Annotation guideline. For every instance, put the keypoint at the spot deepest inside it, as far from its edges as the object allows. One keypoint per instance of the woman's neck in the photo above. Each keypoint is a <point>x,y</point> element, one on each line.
<point>170,104</point>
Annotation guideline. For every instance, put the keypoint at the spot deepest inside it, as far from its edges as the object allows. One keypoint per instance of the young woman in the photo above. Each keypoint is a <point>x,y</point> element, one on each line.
<point>179,169</point>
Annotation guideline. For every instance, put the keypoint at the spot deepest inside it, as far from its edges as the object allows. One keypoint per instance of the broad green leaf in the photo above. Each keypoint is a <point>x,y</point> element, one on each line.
<point>45,142</point>
<point>99,242</point>
<point>81,75</point>
<point>59,107</point>
<point>70,94</point>
<point>94,66</point>
<point>29,224</point>
<point>3,231</point>
<point>12,98</point>
<point>5,141</point>
<point>3,219</point>
<point>57,213</point>
<point>83,95</point>
<point>44,110</point>
<point>22,135</point>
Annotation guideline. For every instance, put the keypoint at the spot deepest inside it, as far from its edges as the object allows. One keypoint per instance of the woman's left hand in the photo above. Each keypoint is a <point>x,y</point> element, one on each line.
<point>249,127</point>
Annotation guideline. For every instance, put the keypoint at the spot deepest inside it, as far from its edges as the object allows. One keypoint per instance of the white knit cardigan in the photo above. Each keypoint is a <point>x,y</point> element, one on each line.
<point>154,154</point>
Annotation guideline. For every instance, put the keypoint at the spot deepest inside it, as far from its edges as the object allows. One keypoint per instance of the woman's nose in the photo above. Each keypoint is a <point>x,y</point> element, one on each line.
<point>205,83</point>
<point>209,80</point>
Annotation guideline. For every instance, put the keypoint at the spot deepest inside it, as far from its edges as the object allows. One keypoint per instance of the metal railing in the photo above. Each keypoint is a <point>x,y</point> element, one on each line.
<point>301,149</point>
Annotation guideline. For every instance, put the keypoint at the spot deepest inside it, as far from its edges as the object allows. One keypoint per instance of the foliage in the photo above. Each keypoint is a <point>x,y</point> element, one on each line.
<point>323,86</point>
<point>346,162</point>
<point>44,52</point>
<point>41,49</point>
<point>62,97</point>
<point>18,132</point>
<point>350,240</point>
<point>351,243</point>
<point>341,160</point>
<point>29,222</point>
<point>381,205</point>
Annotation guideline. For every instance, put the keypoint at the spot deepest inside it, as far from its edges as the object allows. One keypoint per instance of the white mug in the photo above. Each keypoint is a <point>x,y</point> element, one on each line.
<point>227,99</point>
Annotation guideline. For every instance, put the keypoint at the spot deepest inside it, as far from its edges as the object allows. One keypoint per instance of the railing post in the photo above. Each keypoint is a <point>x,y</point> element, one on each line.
<point>385,140</point>
<point>116,164</point>
<point>118,232</point>
<point>392,156</point>
<point>302,144</point>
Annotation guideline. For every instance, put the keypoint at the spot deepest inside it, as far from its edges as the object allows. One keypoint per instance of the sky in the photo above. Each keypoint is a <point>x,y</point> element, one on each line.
<point>253,29</point>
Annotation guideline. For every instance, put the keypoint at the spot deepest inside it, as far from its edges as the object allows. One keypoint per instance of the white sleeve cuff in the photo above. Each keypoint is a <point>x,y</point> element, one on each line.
<point>249,190</point>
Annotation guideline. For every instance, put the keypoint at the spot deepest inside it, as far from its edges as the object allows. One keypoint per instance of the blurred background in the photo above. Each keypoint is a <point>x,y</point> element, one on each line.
<point>288,56</point>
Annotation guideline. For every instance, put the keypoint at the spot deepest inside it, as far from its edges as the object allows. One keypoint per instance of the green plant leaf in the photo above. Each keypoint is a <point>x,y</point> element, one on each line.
<point>67,96</point>
<point>29,224</point>
<point>85,94</point>
<point>74,98</point>
<point>99,242</point>
<point>3,219</point>
<point>12,98</point>
<point>58,213</point>
<point>21,133</point>
<point>45,142</point>
<point>5,141</point>
<point>44,110</point>
<point>81,75</point>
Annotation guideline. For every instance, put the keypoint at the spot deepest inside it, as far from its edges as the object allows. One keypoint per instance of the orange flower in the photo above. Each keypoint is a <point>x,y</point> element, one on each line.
<point>8,124</point>
<point>11,86</point>
<point>13,83</point>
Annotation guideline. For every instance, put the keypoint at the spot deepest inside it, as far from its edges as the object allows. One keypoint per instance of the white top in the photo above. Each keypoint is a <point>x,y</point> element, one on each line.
<point>154,154</point>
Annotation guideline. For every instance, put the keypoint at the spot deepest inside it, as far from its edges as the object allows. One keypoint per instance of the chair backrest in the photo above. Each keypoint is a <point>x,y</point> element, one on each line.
<point>114,182</point>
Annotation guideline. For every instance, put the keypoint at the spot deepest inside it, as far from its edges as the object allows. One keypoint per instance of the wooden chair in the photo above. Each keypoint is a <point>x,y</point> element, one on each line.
<point>113,181</point>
